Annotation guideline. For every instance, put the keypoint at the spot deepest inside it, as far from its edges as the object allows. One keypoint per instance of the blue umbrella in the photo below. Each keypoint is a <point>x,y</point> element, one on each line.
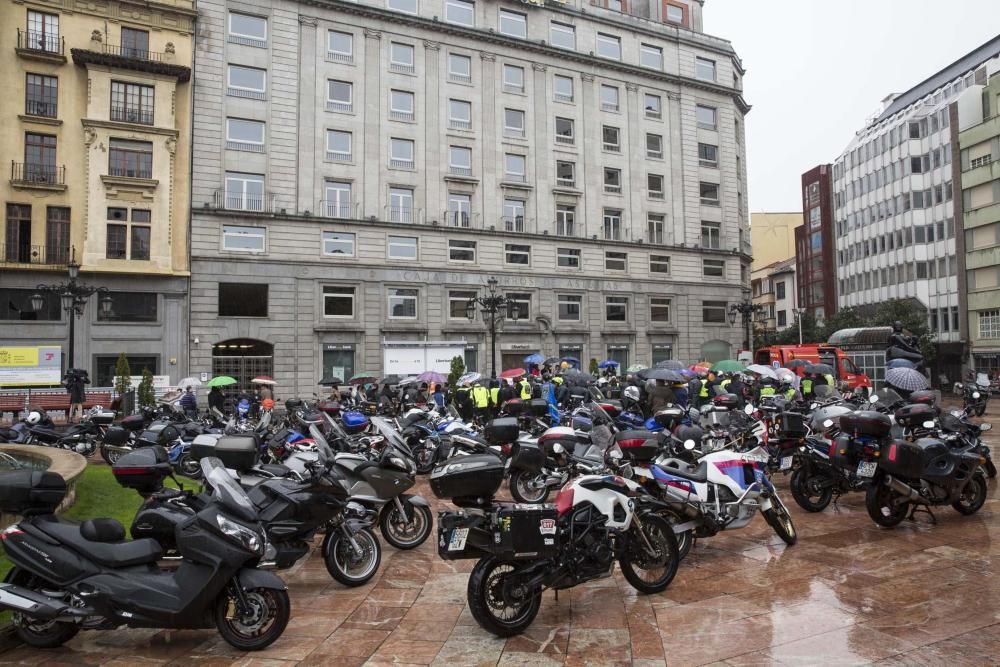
<point>534,359</point>
<point>608,363</point>
<point>572,360</point>
<point>900,363</point>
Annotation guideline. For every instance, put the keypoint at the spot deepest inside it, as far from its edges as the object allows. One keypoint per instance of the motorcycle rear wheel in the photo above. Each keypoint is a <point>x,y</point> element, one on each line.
<point>973,496</point>
<point>36,633</point>
<point>485,595</point>
<point>645,572</point>
<point>879,503</point>
<point>980,410</point>
<point>189,467</point>
<point>110,456</point>
<point>522,492</point>
<point>348,568</point>
<point>807,495</point>
<point>780,520</point>
<point>269,614</point>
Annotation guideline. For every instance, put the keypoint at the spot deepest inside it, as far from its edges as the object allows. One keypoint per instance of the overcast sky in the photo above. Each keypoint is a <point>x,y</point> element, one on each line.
<point>816,69</point>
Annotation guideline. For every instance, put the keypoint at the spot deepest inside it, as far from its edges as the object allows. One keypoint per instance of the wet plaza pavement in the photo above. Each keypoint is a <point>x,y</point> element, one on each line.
<point>849,593</point>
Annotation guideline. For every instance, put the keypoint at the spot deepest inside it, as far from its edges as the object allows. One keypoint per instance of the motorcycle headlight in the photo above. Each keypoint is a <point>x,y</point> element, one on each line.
<point>246,537</point>
<point>975,394</point>
<point>689,445</point>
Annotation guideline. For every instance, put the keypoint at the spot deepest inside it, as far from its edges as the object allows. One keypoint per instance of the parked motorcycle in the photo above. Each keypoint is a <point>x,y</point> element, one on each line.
<point>975,395</point>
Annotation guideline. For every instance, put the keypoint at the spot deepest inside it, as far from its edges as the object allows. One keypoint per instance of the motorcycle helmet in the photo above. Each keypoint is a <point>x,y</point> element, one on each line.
<point>243,407</point>
<point>34,418</point>
<point>632,393</point>
<point>267,404</point>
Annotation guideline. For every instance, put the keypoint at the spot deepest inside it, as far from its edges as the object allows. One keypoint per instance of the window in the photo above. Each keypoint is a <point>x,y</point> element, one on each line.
<point>779,290</point>
<point>513,215</point>
<point>713,312</point>
<point>339,95</point>
<point>459,210</point>
<point>401,153</point>
<point>402,247</point>
<point>513,79</point>
<point>460,160</point>
<point>562,87</point>
<point>612,139</point>
<point>135,43</point>
<point>564,131</point>
<point>130,307</point>
<point>337,202</point>
<point>707,117</point>
<point>612,224</point>
<point>568,258</point>
<point>513,123</point>
<point>570,306</point>
<point>565,220</point>
<point>15,305</point>
<point>400,205</point>
<point>244,192</point>
<point>659,309</point>
<point>243,239</point>
<point>989,324</point>
<point>565,173</point>
<point>675,14</point>
<point>57,220</point>
<point>41,95</point>
<point>708,155</point>
<point>247,30</point>
<point>711,235</point>
<point>43,32</point>
<point>130,159</point>
<point>517,254</point>
<point>659,264</point>
<point>131,103</point>
<point>651,56</point>
<point>514,167</point>
<point>243,299</point>
<point>244,135</point>
<point>713,268</point>
<point>704,69</point>
<point>460,12</point>
<point>338,244</point>
<point>340,46</point>
<point>118,233</point>
<point>461,251</point>
<point>459,68</point>
<point>652,104</point>
<point>457,302</point>
<point>710,193</point>
<point>401,57</point>
<point>338,146</point>
<point>562,35</point>
<point>656,227</point>
<point>460,114</point>
<point>521,303</point>
<point>513,24</point>
<point>616,261</point>
<point>782,318</point>
<point>654,184</point>
<point>246,82</point>
<point>654,146</point>
<point>609,98</point>
<point>612,180</point>
<point>616,308</point>
<point>338,301</point>
<point>609,46</point>
<point>402,303</point>
<point>400,105</point>
<point>408,6</point>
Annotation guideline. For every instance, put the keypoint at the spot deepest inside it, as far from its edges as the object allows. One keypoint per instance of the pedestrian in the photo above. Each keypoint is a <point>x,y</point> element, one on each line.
<point>74,382</point>
<point>216,399</point>
<point>525,389</point>
<point>480,402</point>
<point>264,393</point>
<point>494,397</point>
<point>507,392</point>
<point>437,395</point>
<point>659,397</point>
<point>189,402</point>
<point>562,391</point>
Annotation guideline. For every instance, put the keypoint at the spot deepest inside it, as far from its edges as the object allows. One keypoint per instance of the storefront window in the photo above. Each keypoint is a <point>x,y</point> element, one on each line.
<point>105,368</point>
<point>338,360</point>
<point>662,353</point>
<point>471,359</point>
<point>619,353</point>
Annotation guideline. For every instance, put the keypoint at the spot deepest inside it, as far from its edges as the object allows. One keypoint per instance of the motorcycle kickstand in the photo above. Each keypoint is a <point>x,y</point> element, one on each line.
<point>921,508</point>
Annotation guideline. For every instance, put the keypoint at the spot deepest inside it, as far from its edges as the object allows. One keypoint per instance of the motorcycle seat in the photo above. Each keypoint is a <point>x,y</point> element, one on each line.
<point>47,433</point>
<point>276,469</point>
<point>680,468</point>
<point>95,539</point>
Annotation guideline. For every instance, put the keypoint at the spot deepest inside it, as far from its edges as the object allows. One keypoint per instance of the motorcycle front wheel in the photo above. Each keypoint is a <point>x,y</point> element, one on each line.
<point>522,487</point>
<point>808,492</point>
<point>259,625</point>
<point>651,572</point>
<point>405,532</point>
<point>780,521</point>
<point>973,495</point>
<point>425,457</point>
<point>499,607</point>
<point>347,566</point>
<point>980,410</point>
<point>879,501</point>
<point>190,467</point>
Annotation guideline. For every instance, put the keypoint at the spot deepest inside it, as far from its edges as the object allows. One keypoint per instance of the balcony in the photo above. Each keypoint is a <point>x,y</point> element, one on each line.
<point>566,139</point>
<point>337,57</point>
<point>337,156</point>
<point>461,219</point>
<point>130,171</point>
<point>35,255</point>
<point>609,106</point>
<point>406,165</point>
<point>132,115</point>
<point>404,215</point>
<point>456,124</point>
<point>41,46</point>
<point>566,182</point>
<point>340,107</point>
<point>562,97</point>
<point>461,172</point>
<point>244,201</point>
<point>459,78</point>
<point>38,176</point>
<point>41,108</point>
<point>402,68</point>
<point>337,209</point>
<point>511,88</point>
<point>401,115</point>
<point>612,189</point>
<point>514,223</point>
<point>132,52</point>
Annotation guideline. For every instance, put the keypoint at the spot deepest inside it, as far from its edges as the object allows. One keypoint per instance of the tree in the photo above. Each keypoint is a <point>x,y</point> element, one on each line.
<point>144,393</point>
<point>594,369</point>
<point>457,370</point>
<point>123,375</point>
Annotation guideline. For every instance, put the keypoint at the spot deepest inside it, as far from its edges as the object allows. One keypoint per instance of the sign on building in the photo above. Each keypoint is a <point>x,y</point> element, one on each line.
<point>30,366</point>
<point>414,357</point>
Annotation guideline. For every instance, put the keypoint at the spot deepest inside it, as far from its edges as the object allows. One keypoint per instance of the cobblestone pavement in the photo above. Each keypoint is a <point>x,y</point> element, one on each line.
<point>848,593</point>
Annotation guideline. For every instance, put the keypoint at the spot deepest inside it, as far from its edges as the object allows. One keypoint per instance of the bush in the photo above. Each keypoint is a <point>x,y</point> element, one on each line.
<point>123,379</point>
<point>594,369</point>
<point>144,393</point>
<point>457,371</point>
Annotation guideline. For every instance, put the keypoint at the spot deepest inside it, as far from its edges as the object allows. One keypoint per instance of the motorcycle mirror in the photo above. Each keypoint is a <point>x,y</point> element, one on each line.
<point>827,423</point>
<point>873,399</point>
<point>929,424</point>
<point>689,445</point>
<point>985,427</point>
<point>814,406</point>
<point>748,408</point>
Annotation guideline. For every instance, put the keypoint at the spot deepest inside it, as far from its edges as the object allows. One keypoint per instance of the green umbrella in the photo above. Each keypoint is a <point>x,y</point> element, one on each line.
<point>728,366</point>
<point>221,381</point>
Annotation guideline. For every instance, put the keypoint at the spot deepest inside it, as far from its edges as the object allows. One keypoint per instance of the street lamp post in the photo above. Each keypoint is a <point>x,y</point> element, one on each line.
<point>494,308</point>
<point>73,296</point>
<point>745,310</point>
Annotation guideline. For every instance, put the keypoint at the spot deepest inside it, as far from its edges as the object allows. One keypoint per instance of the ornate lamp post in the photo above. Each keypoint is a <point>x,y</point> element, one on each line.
<point>73,296</point>
<point>494,308</point>
<point>745,310</point>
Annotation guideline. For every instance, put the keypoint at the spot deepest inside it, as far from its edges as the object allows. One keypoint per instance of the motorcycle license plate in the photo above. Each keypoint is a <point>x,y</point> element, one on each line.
<point>786,462</point>
<point>867,468</point>
<point>458,538</point>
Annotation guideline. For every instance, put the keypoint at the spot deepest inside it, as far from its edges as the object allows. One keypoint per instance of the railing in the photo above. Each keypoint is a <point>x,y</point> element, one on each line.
<point>456,124</point>
<point>510,88</point>
<point>566,182</point>
<point>131,115</point>
<point>561,97</point>
<point>132,52</point>
<point>656,194</point>
<point>514,178</point>
<point>569,140</point>
<point>244,146</point>
<point>249,94</point>
<point>462,219</point>
<point>338,157</point>
<point>21,253</point>
<point>400,67</point>
<point>335,57</point>
<point>656,115</point>
<point>246,41</point>
<point>514,223</point>
<point>460,171</point>
<point>404,214</point>
<point>47,174</point>
<point>565,229</point>
<point>400,164</point>
<point>609,106</point>
<point>513,132</point>
<point>32,40</point>
<point>612,189</point>
<point>400,115</point>
<point>339,106</point>
<point>336,209</point>
<point>242,201</point>
<point>459,78</point>
<point>612,148</point>
<point>39,108</point>
<point>130,172</point>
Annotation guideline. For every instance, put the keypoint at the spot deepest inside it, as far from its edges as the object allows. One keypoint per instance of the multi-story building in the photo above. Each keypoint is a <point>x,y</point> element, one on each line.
<point>773,237</point>
<point>895,220</point>
<point>362,168</point>
<point>815,249</point>
<point>98,143</point>
<point>773,288</point>
<point>977,136</point>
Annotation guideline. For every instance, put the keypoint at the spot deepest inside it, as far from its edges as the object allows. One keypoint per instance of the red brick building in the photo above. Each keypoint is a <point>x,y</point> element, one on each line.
<point>814,245</point>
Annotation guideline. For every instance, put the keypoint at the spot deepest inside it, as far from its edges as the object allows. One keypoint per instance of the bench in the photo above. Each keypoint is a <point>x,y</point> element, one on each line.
<point>51,402</point>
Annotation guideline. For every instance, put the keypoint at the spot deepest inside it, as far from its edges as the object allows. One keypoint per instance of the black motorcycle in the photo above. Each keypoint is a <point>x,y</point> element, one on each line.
<point>82,438</point>
<point>974,398</point>
<point>68,577</point>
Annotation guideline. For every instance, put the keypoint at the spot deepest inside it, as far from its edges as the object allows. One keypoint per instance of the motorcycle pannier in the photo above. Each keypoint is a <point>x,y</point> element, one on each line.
<point>925,396</point>
<point>670,417</point>
<point>464,536</point>
<point>638,446</point>
<point>133,422</point>
<point>116,436</point>
<point>37,491</point>
<point>158,434</point>
<point>238,452</point>
<point>527,456</point>
<point>143,469</point>
<point>791,425</point>
<point>104,417</point>
<point>728,401</point>
<point>526,532</point>
<point>867,423</point>
<point>502,431</point>
<point>911,459</point>
<point>538,407</point>
<point>914,416</point>
<point>468,480</point>
<point>515,407</point>
<point>840,453</point>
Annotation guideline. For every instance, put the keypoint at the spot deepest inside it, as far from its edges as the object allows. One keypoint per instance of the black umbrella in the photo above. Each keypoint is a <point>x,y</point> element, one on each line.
<point>795,363</point>
<point>819,369</point>
<point>552,361</point>
<point>672,364</point>
<point>391,379</point>
<point>330,381</point>
<point>574,376</point>
<point>664,374</point>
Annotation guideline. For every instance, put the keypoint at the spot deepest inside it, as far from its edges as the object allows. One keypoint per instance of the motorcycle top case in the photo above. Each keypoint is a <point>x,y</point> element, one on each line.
<point>728,401</point>
<point>538,407</point>
<point>914,416</point>
<point>912,460</point>
<point>142,469</point>
<point>867,423</point>
<point>238,452</point>
<point>515,407</point>
<point>525,532</point>
<point>468,480</point>
<point>638,446</point>
<point>670,417</point>
<point>925,396</point>
<point>133,422</point>
<point>354,422</point>
<point>37,491</point>
<point>791,425</point>
<point>501,431</point>
<point>558,435</point>
<point>104,418</point>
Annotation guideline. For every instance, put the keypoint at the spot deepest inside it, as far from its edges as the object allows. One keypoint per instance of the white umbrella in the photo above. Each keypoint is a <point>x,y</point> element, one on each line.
<point>789,376</point>
<point>760,369</point>
<point>189,382</point>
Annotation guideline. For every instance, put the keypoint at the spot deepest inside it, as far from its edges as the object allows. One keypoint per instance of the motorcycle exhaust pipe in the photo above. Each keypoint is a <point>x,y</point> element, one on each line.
<point>118,449</point>
<point>39,606</point>
<point>905,490</point>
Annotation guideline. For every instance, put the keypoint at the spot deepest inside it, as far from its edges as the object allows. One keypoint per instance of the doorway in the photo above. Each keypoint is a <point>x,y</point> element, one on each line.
<point>242,359</point>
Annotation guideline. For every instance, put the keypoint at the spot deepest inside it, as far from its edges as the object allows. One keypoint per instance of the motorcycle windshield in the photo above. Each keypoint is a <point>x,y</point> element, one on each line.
<point>226,490</point>
<point>888,397</point>
<point>392,438</point>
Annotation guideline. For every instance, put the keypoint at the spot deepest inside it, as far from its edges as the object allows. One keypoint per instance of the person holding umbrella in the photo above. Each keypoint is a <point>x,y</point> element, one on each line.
<point>659,396</point>
<point>216,399</point>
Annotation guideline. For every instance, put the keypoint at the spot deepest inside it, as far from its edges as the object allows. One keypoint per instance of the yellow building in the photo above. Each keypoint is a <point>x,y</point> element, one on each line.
<point>96,130</point>
<point>773,237</point>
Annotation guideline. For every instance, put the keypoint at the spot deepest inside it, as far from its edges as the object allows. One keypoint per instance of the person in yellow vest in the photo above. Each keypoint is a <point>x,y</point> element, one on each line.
<point>724,384</point>
<point>525,388</point>
<point>807,386</point>
<point>704,391</point>
<point>494,397</point>
<point>480,401</point>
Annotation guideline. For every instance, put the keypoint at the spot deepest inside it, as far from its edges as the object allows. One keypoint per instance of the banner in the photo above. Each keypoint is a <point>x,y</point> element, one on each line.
<point>30,366</point>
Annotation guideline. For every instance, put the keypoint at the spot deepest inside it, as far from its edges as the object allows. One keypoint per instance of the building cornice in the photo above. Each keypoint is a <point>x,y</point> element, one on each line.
<point>130,127</point>
<point>180,14</point>
<point>84,57</point>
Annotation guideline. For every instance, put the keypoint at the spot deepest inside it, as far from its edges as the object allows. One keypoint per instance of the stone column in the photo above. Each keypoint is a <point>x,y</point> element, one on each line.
<point>541,160</point>
<point>634,225</point>
<point>435,153</point>
<point>590,172</point>
<point>491,131</point>
<point>675,227</point>
<point>375,150</point>
<point>310,139</point>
